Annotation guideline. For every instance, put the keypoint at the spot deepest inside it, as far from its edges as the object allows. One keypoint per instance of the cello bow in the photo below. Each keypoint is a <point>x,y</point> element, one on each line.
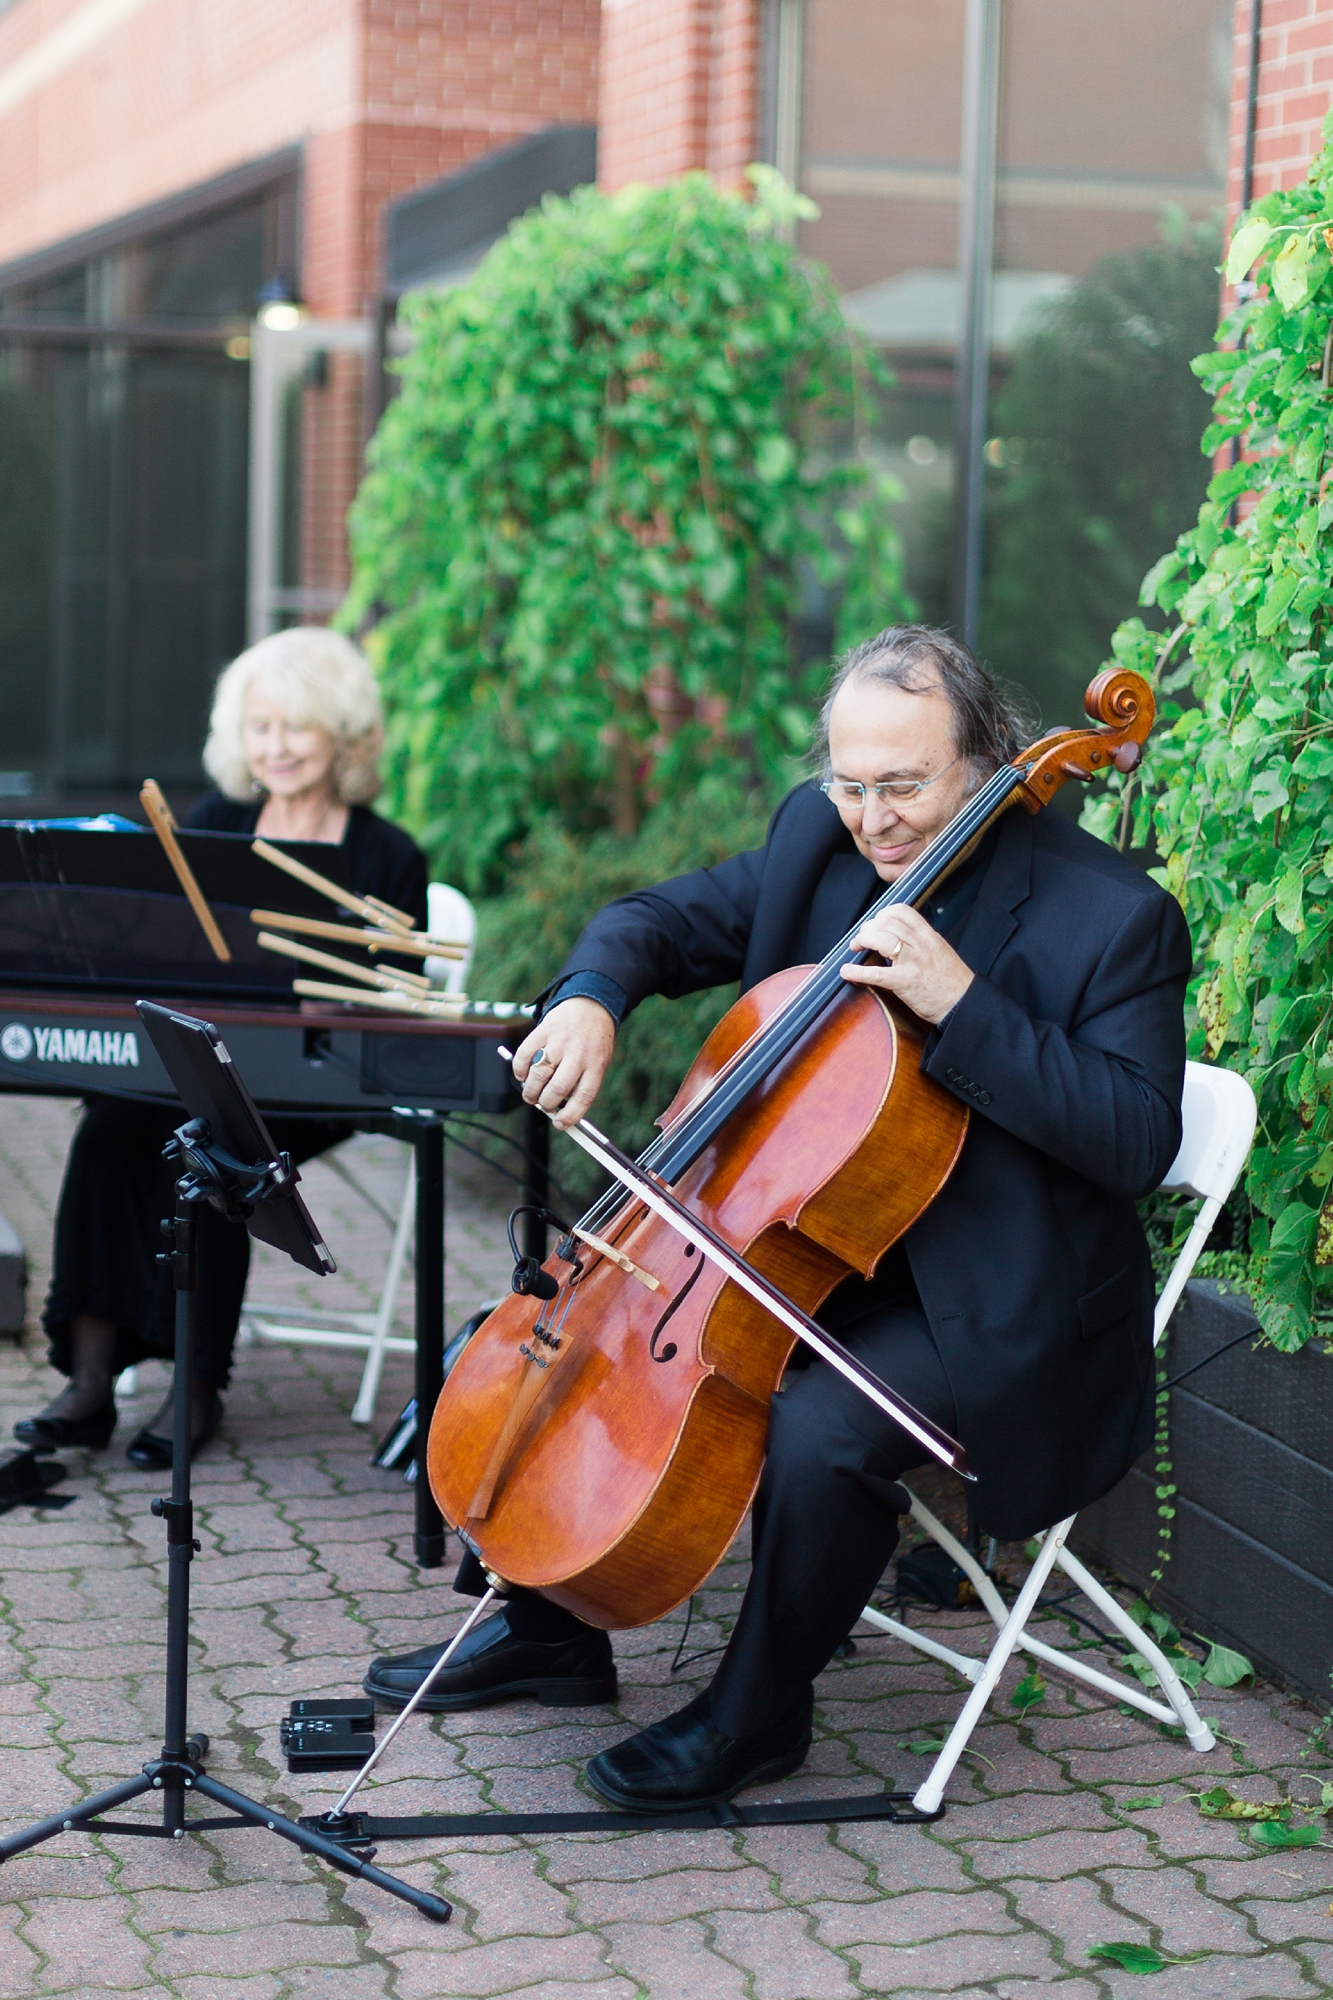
<point>655,1195</point>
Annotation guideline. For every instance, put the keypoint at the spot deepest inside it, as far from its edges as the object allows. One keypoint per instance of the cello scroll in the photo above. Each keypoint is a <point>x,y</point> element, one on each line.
<point>1123,703</point>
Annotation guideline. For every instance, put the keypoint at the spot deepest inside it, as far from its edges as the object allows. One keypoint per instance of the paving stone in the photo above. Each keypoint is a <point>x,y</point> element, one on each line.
<point>88,1939</point>
<point>912,1918</point>
<point>674,1961</point>
<point>1281,1876</point>
<point>1169,1899</point>
<point>1019,1815</point>
<point>658,1898</point>
<point>806,1862</point>
<point>477,1971</point>
<point>258,1985</point>
<point>951,1962</point>
<point>1078,1912</point>
<point>268,1947</point>
<point>1274,1977</point>
<point>507,1895</point>
<point>1050,1856</point>
<point>785,1962</point>
<point>1309,1919</point>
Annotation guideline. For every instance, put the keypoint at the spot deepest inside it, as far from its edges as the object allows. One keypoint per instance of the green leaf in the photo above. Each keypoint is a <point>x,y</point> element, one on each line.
<point>774,457</point>
<point>1220,1803</point>
<point>1140,1957</point>
<point>930,1746</point>
<point>1246,244</point>
<point>1275,1834</point>
<point>1226,1669</point>
<point>1030,1690</point>
<point>1161,572</point>
<point>1287,900</point>
<point>1277,598</point>
<point>1268,795</point>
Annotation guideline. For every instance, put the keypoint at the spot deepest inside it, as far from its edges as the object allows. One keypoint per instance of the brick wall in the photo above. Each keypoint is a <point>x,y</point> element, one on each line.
<point>679,89</point>
<point>1295,92</point>
<point>96,120</point>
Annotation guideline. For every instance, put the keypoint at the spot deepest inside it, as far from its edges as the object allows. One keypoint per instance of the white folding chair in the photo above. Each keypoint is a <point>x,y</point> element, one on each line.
<point>449,915</point>
<point>1219,1117</point>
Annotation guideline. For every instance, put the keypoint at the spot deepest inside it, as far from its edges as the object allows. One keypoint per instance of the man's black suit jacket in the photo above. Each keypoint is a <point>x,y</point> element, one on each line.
<point>1069,1048</point>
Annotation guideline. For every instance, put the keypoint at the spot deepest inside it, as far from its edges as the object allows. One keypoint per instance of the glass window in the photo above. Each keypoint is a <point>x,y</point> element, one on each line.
<point>880,133</point>
<point>1112,165</point>
<point>207,269</point>
<point>122,557</point>
<point>1110,184</point>
<point>123,494</point>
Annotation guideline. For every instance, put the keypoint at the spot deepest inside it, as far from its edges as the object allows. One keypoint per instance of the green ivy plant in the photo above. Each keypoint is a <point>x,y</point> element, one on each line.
<point>615,520</point>
<point>1237,792</point>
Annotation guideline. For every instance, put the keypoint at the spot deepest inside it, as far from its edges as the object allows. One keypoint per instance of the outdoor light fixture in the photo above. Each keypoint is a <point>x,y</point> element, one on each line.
<point>278,306</point>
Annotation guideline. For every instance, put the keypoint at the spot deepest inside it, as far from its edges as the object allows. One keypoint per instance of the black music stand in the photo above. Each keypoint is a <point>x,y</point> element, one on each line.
<point>226,1157</point>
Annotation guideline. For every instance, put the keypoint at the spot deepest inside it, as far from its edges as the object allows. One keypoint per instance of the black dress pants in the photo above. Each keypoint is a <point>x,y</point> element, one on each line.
<point>116,1191</point>
<point>825,1520</point>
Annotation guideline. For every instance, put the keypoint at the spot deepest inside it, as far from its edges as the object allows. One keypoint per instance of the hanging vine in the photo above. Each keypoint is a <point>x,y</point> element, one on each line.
<point>1238,791</point>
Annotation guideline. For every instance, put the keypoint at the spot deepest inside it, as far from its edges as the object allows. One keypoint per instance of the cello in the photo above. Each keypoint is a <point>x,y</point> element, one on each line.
<point>601,1437</point>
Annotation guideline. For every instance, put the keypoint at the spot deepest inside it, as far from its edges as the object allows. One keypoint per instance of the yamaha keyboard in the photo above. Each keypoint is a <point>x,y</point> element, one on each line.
<point>92,918</point>
<point>329,1062</point>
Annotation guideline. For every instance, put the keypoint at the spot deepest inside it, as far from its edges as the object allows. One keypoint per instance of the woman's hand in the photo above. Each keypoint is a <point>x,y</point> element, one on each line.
<point>926,974</point>
<point>563,1060</point>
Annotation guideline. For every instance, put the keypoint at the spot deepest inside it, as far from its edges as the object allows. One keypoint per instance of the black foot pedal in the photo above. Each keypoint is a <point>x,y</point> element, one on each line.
<point>328,1735</point>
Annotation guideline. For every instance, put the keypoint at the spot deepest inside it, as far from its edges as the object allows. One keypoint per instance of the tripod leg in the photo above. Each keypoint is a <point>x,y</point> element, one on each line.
<point>74,1818</point>
<point>430,1906</point>
<point>179,1510</point>
<point>428,1139</point>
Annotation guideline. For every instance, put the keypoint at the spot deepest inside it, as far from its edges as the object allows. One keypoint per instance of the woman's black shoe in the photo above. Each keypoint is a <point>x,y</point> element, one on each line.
<point>152,1453</point>
<point>494,1664</point>
<point>688,1761</point>
<point>47,1434</point>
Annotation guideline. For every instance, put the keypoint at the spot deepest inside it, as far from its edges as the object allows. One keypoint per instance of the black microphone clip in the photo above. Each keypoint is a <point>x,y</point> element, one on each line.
<point>530,1279</point>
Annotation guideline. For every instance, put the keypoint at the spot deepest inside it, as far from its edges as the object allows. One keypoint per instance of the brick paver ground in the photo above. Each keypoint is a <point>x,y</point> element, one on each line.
<point>306,1570</point>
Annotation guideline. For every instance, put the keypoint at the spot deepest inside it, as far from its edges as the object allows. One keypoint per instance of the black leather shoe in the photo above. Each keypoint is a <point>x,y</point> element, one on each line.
<point>47,1434</point>
<point>688,1761</point>
<point>492,1664</point>
<point>152,1453</point>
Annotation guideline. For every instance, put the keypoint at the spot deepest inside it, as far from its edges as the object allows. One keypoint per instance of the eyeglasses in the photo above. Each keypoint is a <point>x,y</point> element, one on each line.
<point>889,791</point>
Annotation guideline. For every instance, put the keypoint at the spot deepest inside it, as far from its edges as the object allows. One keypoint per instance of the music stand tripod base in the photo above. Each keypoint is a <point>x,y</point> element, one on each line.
<point>207,1081</point>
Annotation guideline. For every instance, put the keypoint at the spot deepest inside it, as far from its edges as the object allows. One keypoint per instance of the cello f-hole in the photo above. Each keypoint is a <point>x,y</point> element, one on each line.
<point>668,1352</point>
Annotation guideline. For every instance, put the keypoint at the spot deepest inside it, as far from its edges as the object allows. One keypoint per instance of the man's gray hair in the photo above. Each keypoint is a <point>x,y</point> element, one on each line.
<point>991,724</point>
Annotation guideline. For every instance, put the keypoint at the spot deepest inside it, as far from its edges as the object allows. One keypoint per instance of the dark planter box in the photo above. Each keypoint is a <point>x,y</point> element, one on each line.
<point>1252,1550</point>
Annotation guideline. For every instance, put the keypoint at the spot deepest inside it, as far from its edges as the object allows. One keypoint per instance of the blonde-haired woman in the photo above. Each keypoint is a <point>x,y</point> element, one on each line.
<point>293,747</point>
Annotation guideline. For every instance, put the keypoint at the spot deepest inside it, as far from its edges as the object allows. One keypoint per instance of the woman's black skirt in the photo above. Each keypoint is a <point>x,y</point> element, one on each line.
<point>118,1188</point>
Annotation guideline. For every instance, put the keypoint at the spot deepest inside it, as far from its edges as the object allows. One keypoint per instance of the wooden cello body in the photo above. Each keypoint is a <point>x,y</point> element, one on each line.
<point>639,1450</point>
<point>602,1446</point>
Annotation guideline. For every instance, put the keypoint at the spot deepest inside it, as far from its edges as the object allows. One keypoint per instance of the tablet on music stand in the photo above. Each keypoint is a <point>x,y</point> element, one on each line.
<point>256,1183</point>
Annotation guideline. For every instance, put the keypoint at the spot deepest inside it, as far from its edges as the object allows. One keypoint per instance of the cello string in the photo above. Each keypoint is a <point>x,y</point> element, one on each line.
<point>685,1139</point>
<point>749,1064</point>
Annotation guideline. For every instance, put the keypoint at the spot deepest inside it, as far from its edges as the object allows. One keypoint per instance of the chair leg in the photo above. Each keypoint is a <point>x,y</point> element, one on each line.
<point>930,1794</point>
<point>1199,1735</point>
<point>966,1561</point>
<point>363,1410</point>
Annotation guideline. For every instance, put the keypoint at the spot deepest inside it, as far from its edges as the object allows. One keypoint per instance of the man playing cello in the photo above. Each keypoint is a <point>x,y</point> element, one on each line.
<point>1016,1312</point>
